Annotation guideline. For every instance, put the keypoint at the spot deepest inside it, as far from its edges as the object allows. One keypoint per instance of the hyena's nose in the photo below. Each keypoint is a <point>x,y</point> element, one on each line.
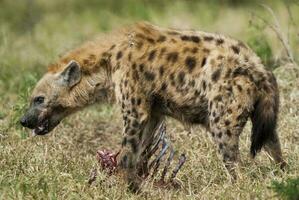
<point>24,122</point>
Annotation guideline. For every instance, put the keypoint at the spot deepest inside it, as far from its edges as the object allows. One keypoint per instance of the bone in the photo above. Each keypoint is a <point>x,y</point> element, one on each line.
<point>166,167</point>
<point>178,167</point>
<point>157,160</point>
<point>158,139</point>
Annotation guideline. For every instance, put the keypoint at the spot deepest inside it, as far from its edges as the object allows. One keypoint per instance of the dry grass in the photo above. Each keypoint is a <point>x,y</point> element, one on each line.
<point>57,166</point>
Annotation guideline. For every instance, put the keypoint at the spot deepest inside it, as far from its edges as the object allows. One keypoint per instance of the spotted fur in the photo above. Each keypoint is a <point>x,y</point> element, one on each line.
<point>195,77</point>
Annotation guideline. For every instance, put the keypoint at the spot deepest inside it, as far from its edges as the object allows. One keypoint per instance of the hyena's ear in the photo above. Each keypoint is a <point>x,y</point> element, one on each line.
<point>71,75</point>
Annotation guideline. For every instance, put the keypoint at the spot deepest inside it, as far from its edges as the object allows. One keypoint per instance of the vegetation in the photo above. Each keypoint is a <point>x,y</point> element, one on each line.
<point>33,33</point>
<point>288,189</point>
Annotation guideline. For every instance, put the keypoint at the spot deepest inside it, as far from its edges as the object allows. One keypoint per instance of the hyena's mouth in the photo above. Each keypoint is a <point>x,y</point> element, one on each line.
<point>42,128</point>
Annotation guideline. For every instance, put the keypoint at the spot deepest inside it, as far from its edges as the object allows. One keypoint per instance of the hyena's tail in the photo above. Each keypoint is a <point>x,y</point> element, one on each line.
<point>264,116</point>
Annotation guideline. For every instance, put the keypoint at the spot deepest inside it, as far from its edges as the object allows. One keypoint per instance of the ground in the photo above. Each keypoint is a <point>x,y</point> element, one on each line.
<point>57,166</point>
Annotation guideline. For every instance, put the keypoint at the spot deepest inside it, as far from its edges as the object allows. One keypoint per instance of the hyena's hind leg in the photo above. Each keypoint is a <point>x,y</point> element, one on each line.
<point>273,148</point>
<point>226,125</point>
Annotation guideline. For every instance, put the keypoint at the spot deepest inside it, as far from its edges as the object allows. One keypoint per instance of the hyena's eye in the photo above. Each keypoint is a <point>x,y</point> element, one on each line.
<point>39,100</point>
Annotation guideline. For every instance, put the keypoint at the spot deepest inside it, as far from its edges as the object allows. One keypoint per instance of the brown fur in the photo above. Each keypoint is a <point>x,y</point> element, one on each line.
<point>195,77</point>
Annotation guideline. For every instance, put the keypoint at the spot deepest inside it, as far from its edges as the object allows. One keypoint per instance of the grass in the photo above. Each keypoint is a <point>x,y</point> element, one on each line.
<point>57,166</point>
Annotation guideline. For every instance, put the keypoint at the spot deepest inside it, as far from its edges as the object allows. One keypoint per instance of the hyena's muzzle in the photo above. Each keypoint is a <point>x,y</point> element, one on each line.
<point>42,119</point>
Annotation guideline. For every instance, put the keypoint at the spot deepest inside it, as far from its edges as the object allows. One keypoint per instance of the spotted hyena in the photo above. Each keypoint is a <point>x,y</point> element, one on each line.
<point>152,72</point>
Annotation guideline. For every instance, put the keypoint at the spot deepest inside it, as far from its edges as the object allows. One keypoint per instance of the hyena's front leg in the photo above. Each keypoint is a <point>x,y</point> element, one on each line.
<point>147,139</point>
<point>139,129</point>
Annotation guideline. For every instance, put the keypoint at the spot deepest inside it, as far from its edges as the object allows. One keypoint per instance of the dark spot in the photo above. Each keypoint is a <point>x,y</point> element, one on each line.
<point>220,135</point>
<point>134,66</point>
<point>181,77</point>
<point>138,101</point>
<point>119,55</point>
<point>139,45</point>
<point>131,132</point>
<point>228,72</point>
<point>220,146</point>
<point>134,110</point>
<point>226,122</point>
<point>235,49</point>
<point>164,86</point>
<point>172,57</point>
<point>135,124</point>
<point>192,83</point>
<point>203,62</point>
<point>229,111</point>
<point>216,75</point>
<point>161,70</point>
<point>124,142</point>
<point>133,101</point>
<point>191,63</point>
<point>225,157</point>
<point>213,113</point>
<point>195,39</point>
<point>248,91</point>
<point>86,62</point>
<point>130,56</point>
<point>141,67</point>
<point>204,85</point>
<point>150,40</point>
<point>213,134</point>
<point>219,41</point>
<point>239,88</point>
<point>194,50</point>
<point>112,47</point>
<point>126,83</point>
<point>163,50</point>
<point>218,98</point>
<point>208,38</point>
<point>103,62</point>
<point>171,76</point>
<point>152,55</point>
<point>162,38</point>
<point>228,133</point>
<point>185,38</point>
<point>240,71</point>
<point>216,120</point>
<point>149,76</point>
<point>230,89</point>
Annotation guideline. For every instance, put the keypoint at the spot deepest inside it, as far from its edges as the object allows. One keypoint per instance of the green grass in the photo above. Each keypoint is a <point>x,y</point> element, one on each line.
<point>34,33</point>
<point>287,189</point>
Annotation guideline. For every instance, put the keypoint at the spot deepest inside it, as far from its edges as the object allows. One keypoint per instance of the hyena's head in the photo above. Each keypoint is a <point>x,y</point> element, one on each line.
<point>56,96</point>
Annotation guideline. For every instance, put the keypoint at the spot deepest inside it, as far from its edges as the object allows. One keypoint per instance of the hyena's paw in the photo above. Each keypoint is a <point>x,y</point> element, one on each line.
<point>134,182</point>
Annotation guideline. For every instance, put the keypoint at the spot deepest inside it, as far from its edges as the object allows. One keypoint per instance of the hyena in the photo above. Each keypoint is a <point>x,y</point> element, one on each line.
<point>151,73</point>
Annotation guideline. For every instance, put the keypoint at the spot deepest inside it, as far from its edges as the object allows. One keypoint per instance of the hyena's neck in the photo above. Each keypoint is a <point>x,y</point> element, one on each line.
<point>95,59</point>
